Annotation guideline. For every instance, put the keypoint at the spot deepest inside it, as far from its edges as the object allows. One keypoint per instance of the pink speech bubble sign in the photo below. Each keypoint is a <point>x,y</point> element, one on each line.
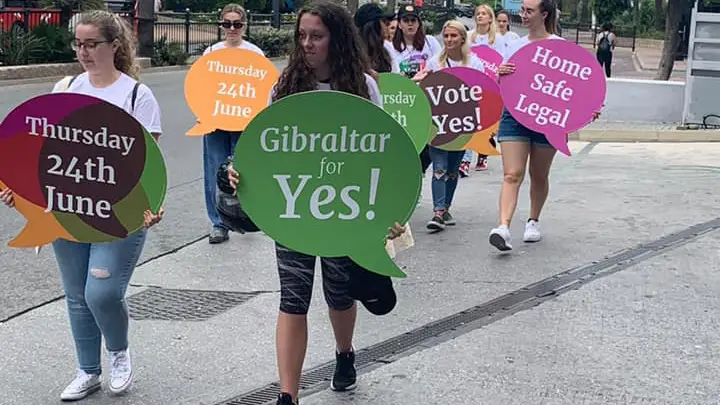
<point>556,88</point>
<point>490,57</point>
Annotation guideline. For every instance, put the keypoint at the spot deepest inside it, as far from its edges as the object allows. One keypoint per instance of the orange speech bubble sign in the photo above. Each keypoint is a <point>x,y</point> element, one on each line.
<point>41,228</point>
<point>481,143</point>
<point>227,88</point>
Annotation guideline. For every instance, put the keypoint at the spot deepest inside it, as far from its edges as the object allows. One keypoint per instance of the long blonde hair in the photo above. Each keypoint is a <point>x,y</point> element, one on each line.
<point>465,49</point>
<point>113,28</point>
<point>492,29</point>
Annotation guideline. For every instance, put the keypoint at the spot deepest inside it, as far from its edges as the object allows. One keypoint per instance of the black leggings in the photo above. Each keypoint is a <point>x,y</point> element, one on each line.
<point>297,273</point>
<point>606,60</point>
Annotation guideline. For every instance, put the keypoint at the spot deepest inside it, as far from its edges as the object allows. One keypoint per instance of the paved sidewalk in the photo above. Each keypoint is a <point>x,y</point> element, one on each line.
<point>647,334</point>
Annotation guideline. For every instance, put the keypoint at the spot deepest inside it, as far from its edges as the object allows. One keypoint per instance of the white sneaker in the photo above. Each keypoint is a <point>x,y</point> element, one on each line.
<point>121,374</point>
<point>532,231</point>
<point>83,385</point>
<point>500,238</point>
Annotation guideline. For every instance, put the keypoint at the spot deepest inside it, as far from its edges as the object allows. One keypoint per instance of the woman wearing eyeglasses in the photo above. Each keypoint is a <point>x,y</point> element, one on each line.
<point>95,276</point>
<point>220,144</point>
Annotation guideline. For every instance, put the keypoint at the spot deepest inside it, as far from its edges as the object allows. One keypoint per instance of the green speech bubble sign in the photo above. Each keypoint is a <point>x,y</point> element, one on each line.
<point>405,101</point>
<point>326,173</point>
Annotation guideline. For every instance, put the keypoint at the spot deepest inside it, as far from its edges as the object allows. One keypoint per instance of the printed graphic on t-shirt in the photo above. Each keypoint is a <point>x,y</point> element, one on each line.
<point>413,64</point>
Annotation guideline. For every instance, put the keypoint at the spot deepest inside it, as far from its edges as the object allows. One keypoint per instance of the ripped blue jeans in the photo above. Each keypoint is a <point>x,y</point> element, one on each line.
<point>95,277</point>
<point>446,167</point>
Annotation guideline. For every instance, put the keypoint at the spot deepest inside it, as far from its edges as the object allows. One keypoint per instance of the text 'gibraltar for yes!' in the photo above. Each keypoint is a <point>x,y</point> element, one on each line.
<point>93,169</point>
<point>292,140</point>
<point>235,90</point>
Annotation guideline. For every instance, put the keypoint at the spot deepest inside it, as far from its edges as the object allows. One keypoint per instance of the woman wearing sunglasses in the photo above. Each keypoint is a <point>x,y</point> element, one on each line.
<point>220,144</point>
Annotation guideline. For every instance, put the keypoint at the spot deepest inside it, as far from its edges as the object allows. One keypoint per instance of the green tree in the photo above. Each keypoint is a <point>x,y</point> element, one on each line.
<point>673,16</point>
<point>607,10</point>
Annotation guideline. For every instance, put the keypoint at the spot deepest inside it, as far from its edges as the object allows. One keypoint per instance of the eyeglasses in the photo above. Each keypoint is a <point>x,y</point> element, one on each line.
<point>89,45</point>
<point>234,24</point>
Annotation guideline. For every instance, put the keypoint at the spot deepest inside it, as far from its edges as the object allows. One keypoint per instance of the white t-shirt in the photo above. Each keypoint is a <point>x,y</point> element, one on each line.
<point>243,45</point>
<point>373,90</point>
<point>514,46</point>
<point>410,61</point>
<point>146,111</point>
<point>499,45</point>
<point>473,62</point>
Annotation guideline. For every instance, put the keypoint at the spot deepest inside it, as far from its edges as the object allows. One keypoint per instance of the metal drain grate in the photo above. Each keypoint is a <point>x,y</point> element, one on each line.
<point>163,304</point>
<point>473,318</point>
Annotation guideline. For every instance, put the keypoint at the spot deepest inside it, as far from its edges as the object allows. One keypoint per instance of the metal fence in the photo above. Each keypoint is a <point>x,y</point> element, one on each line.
<point>197,31</point>
<point>585,34</point>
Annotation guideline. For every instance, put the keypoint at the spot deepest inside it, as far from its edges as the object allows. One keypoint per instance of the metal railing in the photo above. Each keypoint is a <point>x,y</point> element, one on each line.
<point>197,31</point>
<point>585,34</point>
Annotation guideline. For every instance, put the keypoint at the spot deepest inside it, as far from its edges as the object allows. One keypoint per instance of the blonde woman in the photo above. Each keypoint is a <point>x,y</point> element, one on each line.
<point>456,52</point>
<point>485,33</point>
<point>95,276</point>
<point>220,144</point>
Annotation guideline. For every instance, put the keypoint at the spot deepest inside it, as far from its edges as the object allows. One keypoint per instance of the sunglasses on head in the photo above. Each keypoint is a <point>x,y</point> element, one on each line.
<point>234,24</point>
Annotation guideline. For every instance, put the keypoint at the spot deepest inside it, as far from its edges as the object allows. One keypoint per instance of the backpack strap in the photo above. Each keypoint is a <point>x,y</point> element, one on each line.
<point>134,95</point>
<point>67,81</point>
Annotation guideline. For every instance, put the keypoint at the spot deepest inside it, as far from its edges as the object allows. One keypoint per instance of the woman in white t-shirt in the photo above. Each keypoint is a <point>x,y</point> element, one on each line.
<point>485,33</point>
<point>95,276</point>
<point>220,144</point>
<point>410,49</point>
<point>522,147</point>
<point>446,164</point>
<point>502,19</point>
<point>321,62</point>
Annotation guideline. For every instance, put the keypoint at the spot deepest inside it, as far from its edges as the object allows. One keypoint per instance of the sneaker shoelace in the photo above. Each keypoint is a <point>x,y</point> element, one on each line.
<point>81,378</point>
<point>119,364</point>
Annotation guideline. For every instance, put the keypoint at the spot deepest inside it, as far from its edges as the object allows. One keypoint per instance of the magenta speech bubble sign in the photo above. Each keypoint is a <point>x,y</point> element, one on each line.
<point>490,57</point>
<point>556,88</point>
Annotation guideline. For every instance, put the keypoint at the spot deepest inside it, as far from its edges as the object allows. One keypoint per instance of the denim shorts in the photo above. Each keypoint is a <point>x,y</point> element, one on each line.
<point>513,131</point>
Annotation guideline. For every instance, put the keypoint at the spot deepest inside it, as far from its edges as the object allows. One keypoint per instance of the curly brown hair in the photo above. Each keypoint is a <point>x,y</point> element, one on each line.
<point>346,56</point>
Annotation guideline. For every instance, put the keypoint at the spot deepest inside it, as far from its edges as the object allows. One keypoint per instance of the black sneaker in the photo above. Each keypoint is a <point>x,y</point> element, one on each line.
<point>448,219</point>
<point>345,377</point>
<point>218,235</point>
<point>436,223</point>
<point>285,399</point>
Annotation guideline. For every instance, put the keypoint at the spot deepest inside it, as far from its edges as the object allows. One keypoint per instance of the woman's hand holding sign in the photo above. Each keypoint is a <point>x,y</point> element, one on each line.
<point>6,196</point>
<point>151,219</point>
<point>506,69</point>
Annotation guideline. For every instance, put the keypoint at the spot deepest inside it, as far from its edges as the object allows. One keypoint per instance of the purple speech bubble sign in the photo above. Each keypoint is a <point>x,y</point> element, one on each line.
<point>490,57</point>
<point>556,88</point>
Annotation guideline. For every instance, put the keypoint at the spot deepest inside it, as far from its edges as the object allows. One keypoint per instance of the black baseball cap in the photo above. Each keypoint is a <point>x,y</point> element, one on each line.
<point>371,12</point>
<point>373,290</point>
<point>407,11</point>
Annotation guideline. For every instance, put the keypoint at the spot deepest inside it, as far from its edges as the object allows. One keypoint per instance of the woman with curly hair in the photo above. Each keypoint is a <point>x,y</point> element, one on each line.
<point>328,55</point>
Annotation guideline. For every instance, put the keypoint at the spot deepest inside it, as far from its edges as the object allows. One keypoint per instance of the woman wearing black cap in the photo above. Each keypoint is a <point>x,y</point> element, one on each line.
<point>373,24</point>
<point>411,49</point>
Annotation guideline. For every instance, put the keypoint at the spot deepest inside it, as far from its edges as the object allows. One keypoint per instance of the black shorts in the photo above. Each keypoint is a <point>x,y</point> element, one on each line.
<point>297,274</point>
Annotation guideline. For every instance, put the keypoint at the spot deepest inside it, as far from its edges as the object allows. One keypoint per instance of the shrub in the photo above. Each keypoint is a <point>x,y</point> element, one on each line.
<point>274,42</point>
<point>20,48</point>
<point>56,45</point>
<point>168,53</point>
